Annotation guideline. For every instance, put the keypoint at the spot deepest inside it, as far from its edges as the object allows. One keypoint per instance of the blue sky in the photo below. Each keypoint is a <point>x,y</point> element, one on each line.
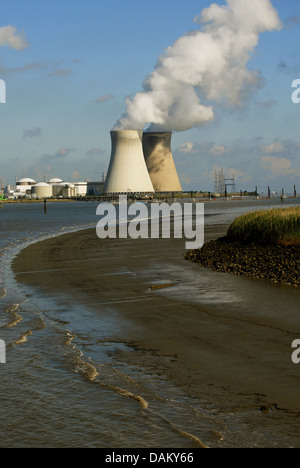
<point>67,85</point>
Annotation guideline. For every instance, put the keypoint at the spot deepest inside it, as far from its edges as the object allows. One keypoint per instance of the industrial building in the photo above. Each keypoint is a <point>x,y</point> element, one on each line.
<point>127,172</point>
<point>81,188</point>
<point>24,186</point>
<point>56,188</point>
<point>160,162</point>
<point>95,188</point>
<point>63,190</point>
<point>141,163</point>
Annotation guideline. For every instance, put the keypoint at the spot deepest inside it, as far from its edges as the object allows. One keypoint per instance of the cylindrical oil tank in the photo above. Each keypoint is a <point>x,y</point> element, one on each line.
<point>127,170</point>
<point>160,162</point>
<point>42,190</point>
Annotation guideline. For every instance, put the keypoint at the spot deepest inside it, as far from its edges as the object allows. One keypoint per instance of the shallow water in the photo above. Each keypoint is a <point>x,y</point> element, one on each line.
<point>67,381</point>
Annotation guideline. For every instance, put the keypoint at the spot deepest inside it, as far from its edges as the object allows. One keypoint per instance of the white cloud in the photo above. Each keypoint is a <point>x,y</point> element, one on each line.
<point>239,176</point>
<point>33,132</point>
<point>63,152</point>
<point>217,150</point>
<point>75,175</point>
<point>10,37</point>
<point>59,72</point>
<point>204,148</point>
<point>278,166</point>
<point>95,152</point>
<point>187,147</point>
<point>101,99</point>
<point>266,104</point>
<point>276,147</point>
<point>189,179</point>
<point>231,172</point>
<point>32,66</point>
<point>60,154</point>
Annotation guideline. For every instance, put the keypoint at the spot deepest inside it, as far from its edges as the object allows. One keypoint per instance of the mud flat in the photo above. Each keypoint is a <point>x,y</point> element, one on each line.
<point>223,340</point>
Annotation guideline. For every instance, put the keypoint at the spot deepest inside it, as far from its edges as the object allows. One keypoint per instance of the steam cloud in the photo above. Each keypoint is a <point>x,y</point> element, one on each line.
<point>203,67</point>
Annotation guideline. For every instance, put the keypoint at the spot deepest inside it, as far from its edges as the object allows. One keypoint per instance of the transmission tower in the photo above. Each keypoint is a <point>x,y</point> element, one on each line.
<point>230,183</point>
<point>219,181</point>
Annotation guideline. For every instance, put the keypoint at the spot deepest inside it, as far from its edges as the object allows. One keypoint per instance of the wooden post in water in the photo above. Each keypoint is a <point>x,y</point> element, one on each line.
<point>45,205</point>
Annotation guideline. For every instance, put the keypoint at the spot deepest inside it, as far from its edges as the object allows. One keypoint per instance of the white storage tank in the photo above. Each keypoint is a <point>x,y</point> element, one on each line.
<point>42,190</point>
<point>80,188</point>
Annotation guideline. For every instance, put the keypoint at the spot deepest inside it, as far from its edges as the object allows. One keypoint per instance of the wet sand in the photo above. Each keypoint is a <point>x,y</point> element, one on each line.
<point>222,339</point>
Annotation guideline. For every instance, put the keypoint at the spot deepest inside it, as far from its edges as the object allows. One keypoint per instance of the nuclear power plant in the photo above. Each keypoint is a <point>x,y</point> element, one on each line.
<point>141,163</point>
<point>160,162</point>
<point>127,170</point>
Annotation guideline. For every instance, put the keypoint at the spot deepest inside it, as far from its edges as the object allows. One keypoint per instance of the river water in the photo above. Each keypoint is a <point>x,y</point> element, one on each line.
<point>49,393</point>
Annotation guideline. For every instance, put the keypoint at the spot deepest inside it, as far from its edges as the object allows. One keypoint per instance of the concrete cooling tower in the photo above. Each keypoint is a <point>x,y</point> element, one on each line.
<point>127,170</point>
<point>160,162</point>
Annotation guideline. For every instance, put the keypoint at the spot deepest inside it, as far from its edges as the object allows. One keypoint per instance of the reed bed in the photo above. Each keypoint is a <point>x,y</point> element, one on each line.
<point>268,227</point>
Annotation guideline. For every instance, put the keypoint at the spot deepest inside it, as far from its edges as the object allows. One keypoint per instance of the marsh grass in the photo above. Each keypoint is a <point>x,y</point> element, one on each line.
<point>268,227</point>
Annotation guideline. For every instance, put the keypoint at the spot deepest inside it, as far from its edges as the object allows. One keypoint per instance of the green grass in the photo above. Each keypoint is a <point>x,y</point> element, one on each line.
<point>268,227</point>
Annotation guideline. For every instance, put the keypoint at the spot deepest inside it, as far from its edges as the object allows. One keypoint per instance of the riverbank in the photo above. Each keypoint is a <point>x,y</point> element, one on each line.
<point>28,201</point>
<point>262,244</point>
<point>280,226</point>
<point>274,263</point>
<point>223,341</point>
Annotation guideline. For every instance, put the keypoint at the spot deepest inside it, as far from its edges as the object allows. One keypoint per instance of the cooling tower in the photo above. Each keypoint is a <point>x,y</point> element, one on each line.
<point>160,162</point>
<point>127,170</point>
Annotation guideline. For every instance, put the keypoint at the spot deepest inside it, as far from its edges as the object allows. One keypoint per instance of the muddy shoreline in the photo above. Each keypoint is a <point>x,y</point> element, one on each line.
<point>273,263</point>
<point>223,340</point>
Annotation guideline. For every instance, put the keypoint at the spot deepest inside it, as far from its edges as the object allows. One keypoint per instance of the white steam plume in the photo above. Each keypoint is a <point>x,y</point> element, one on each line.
<point>203,67</point>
